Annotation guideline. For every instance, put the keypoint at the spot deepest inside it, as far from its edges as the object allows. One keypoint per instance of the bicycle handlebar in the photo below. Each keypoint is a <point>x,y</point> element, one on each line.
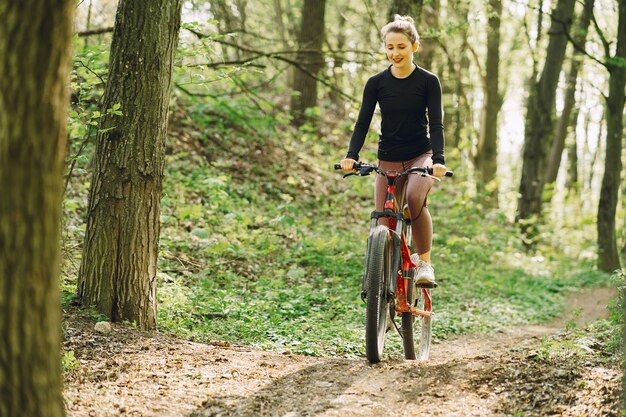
<point>366,169</point>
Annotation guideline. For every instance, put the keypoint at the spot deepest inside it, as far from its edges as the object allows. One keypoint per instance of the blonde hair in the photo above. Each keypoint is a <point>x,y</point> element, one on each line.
<point>404,25</point>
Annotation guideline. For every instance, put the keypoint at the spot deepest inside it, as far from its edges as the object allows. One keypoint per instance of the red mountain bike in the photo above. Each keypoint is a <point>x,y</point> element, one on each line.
<point>389,287</point>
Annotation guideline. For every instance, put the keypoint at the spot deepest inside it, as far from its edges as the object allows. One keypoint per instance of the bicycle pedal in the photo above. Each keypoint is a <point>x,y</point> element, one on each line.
<point>426,285</point>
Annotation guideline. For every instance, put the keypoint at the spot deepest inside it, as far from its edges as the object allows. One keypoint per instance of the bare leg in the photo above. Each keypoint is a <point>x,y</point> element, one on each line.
<point>421,222</point>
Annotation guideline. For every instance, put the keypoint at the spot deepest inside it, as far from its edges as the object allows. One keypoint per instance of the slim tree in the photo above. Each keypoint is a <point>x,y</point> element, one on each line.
<point>118,269</point>
<point>487,152</point>
<point>540,116</point>
<point>35,38</point>
<point>565,120</point>
<point>309,58</point>
<point>608,256</point>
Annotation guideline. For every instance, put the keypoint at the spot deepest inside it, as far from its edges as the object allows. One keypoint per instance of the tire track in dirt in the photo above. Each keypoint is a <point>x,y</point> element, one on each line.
<point>455,382</point>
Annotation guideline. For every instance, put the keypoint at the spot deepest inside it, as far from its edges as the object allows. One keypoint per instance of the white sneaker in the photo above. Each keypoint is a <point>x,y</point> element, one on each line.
<point>425,273</point>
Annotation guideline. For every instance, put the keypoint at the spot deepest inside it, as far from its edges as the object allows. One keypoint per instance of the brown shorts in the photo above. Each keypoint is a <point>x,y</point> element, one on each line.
<point>414,187</point>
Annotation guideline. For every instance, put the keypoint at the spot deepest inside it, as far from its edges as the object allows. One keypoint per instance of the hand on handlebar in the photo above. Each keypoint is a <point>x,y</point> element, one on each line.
<point>347,164</point>
<point>439,170</point>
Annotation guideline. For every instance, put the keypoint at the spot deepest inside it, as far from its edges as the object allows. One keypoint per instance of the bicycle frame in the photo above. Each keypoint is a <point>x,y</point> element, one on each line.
<point>396,219</point>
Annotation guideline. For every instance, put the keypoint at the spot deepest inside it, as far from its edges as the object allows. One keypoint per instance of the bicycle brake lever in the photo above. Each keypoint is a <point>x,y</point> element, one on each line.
<point>350,174</point>
<point>430,176</point>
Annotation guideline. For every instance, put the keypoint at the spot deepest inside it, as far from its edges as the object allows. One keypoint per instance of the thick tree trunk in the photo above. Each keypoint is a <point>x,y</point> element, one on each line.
<point>539,119</point>
<point>487,152</point>
<point>35,39</point>
<point>608,257</point>
<point>623,252</point>
<point>565,120</point>
<point>118,269</point>
<point>310,39</point>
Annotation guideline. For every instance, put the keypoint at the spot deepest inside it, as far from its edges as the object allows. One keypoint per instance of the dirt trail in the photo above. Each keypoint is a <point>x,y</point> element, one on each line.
<point>129,373</point>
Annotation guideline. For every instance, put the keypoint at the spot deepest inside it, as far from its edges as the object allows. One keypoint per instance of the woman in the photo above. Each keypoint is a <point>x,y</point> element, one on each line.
<point>411,132</point>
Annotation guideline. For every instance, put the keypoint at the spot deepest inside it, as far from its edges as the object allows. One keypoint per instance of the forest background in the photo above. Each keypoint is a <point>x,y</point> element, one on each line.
<point>253,239</point>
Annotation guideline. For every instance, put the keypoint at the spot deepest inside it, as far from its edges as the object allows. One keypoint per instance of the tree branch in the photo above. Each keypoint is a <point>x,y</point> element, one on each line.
<point>605,43</point>
<point>94,32</point>
<point>278,56</point>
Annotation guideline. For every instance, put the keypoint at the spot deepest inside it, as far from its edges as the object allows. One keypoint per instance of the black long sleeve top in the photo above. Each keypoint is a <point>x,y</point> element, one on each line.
<point>411,112</point>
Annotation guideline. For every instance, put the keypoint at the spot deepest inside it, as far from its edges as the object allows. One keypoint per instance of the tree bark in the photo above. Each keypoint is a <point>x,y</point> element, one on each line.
<point>487,152</point>
<point>571,180</point>
<point>339,60</point>
<point>411,8</point>
<point>608,257</point>
<point>280,21</point>
<point>623,252</point>
<point>118,270</point>
<point>565,120</point>
<point>310,39</point>
<point>429,19</point>
<point>35,40</point>
<point>540,120</point>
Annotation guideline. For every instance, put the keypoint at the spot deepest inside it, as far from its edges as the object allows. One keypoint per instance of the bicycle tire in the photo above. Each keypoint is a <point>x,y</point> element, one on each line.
<point>379,258</point>
<point>408,319</point>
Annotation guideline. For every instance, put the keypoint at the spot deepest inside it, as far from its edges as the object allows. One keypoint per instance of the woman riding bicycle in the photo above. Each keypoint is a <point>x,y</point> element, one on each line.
<point>411,132</point>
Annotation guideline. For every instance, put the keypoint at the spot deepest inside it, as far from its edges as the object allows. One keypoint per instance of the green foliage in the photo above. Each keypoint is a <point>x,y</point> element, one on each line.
<point>69,362</point>
<point>591,343</point>
<point>617,310</point>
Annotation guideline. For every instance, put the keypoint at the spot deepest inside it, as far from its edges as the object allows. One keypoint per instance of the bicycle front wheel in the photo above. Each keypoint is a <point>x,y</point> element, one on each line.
<point>377,317</point>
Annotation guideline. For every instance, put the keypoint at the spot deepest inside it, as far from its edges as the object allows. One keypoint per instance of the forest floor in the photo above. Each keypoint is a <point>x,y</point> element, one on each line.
<point>132,373</point>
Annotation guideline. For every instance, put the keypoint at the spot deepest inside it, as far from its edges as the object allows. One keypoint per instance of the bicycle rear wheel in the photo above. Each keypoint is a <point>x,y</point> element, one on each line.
<point>408,320</point>
<point>424,302</point>
<point>377,319</point>
<point>420,298</point>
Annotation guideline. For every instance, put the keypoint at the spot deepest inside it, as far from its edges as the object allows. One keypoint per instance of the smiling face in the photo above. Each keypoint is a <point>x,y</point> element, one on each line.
<point>400,50</point>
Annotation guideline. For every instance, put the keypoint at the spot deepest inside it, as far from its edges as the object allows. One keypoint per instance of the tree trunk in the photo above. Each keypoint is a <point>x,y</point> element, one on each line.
<point>429,19</point>
<point>459,68</point>
<point>565,120</point>
<point>35,39</point>
<point>571,180</point>
<point>411,8</point>
<point>227,23</point>
<point>487,152</point>
<point>339,60</point>
<point>624,234</point>
<point>118,269</point>
<point>540,121</point>
<point>309,58</point>
<point>280,21</point>
<point>608,257</point>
